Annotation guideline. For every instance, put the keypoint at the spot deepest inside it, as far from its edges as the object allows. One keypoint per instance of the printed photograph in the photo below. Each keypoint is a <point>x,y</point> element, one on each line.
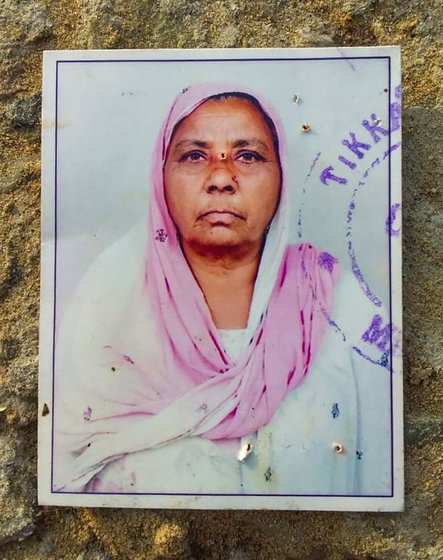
<point>221,279</point>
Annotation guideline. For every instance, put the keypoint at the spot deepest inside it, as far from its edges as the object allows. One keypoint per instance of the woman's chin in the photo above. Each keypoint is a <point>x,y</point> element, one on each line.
<point>218,242</point>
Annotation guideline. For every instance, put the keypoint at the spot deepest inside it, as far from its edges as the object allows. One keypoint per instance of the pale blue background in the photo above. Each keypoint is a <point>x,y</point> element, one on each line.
<point>109,114</point>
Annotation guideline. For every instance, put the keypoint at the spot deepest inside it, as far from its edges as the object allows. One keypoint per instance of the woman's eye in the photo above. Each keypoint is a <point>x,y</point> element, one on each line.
<point>249,157</point>
<point>193,157</point>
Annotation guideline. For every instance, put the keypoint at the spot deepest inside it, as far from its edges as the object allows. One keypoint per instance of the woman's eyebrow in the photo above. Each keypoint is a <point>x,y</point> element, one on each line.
<point>242,143</point>
<point>191,143</point>
<point>188,143</point>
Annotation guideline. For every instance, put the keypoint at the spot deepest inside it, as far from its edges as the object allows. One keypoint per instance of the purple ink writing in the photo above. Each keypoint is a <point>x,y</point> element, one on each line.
<point>300,210</point>
<point>396,110</point>
<point>378,334</point>
<point>87,414</point>
<point>391,219</point>
<point>350,164</point>
<point>161,235</point>
<point>355,146</point>
<point>359,147</point>
<point>358,274</point>
<point>391,149</point>
<point>382,362</point>
<point>327,175</point>
<point>374,128</point>
<point>327,261</point>
<point>335,411</point>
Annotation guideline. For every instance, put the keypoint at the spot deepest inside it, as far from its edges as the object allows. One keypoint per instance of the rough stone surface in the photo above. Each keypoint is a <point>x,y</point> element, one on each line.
<point>25,113</point>
<point>31,532</point>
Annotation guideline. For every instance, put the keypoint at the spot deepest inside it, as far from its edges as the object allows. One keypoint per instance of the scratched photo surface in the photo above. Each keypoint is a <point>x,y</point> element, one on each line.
<point>221,282</point>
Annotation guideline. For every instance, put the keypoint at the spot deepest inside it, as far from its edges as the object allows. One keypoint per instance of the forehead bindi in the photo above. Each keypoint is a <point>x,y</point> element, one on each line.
<point>232,121</point>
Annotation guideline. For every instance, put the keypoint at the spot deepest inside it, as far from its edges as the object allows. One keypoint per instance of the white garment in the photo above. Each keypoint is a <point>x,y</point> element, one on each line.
<point>330,436</point>
<point>233,341</point>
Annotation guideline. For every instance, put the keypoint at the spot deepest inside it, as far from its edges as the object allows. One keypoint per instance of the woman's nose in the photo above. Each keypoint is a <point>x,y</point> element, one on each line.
<point>221,178</point>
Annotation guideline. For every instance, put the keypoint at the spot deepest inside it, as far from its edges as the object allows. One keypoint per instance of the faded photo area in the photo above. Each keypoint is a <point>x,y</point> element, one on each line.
<point>224,241</point>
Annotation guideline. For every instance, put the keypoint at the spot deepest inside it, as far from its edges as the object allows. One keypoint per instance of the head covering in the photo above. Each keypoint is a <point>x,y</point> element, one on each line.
<point>161,223</point>
<point>154,369</point>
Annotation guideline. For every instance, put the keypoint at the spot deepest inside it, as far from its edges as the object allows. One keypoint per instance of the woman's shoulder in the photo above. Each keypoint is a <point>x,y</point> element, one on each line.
<point>316,259</point>
<point>105,288</point>
<point>324,257</point>
<point>118,260</point>
<point>356,316</point>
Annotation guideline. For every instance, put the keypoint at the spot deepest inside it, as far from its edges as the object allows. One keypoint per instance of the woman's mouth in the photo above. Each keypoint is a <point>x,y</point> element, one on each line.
<point>221,217</point>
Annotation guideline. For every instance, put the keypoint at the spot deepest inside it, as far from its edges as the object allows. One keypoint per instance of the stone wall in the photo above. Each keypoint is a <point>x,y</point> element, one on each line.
<point>29,26</point>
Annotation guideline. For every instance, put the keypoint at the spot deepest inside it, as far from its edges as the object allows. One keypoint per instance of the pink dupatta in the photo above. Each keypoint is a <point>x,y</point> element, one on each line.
<point>173,376</point>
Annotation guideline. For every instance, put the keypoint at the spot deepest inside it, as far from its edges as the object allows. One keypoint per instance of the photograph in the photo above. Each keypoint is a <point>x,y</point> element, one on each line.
<point>220,320</point>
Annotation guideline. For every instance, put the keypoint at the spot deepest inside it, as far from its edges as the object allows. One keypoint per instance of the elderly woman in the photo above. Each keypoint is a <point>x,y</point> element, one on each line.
<point>210,357</point>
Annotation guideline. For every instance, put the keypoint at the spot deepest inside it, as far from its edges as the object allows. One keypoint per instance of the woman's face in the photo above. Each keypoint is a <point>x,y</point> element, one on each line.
<point>222,176</point>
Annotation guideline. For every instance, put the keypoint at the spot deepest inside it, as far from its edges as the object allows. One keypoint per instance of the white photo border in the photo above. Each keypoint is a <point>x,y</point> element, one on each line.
<point>53,60</point>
